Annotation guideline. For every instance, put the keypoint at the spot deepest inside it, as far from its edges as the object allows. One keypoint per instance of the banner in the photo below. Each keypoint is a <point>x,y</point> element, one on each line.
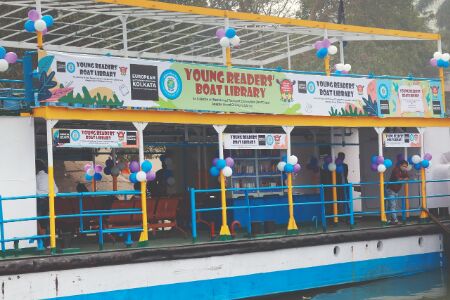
<point>410,98</point>
<point>94,138</point>
<point>102,81</point>
<point>255,141</point>
<point>408,140</point>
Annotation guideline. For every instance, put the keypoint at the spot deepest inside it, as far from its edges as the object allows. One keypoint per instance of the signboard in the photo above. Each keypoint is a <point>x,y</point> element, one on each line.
<point>255,141</point>
<point>409,140</point>
<point>409,98</point>
<point>94,138</point>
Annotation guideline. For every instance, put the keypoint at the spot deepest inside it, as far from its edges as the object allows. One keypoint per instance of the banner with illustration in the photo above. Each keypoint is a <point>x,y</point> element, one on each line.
<point>409,98</point>
<point>113,82</point>
<point>94,138</point>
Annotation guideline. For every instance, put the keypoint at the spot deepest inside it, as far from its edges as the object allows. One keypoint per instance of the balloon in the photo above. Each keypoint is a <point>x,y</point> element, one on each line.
<point>98,169</point>
<point>328,159</point>
<point>331,167</point>
<point>388,163</point>
<point>437,55</point>
<point>326,43</point>
<point>2,52</point>
<point>281,165</point>
<point>220,33</point>
<point>133,178</point>
<point>288,168</point>
<point>107,171</point>
<point>425,163</point>
<point>339,67</point>
<point>90,172</point>
<point>3,65</point>
<point>11,57</point>
<point>29,26</point>
<point>214,161</point>
<point>87,167</point>
<point>339,169</point>
<point>115,171</point>
<point>224,42</point>
<point>433,62</point>
<point>374,167</point>
<point>235,41</point>
<point>332,50</point>
<point>322,52</point>
<point>34,15</point>
<point>227,171</point>
<point>347,67</point>
<point>97,176</point>
<point>417,166</point>
<point>440,63</point>
<point>134,166</point>
<point>229,161</point>
<point>380,160</point>
<point>446,57</point>
<point>410,160</point>
<point>48,20</point>
<point>109,163</point>
<point>292,160</point>
<point>88,177</point>
<point>284,158</point>
<point>141,176</point>
<point>230,33</point>
<point>297,168</point>
<point>150,176</point>
<point>40,25</point>
<point>318,45</point>
<point>427,156</point>
<point>214,171</point>
<point>221,163</point>
<point>146,166</point>
<point>445,64</point>
<point>415,159</point>
<point>170,181</point>
<point>381,168</point>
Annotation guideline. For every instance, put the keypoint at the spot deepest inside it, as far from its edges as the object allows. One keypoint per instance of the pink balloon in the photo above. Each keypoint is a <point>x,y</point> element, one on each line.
<point>318,45</point>
<point>433,62</point>
<point>134,166</point>
<point>229,161</point>
<point>98,169</point>
<point>220,33</point>
<point>344,72</point>
<point>87,167</point>
<point>45,31</point>
<point>214,161</point>
<point>150,176</point>
<point>11,57</point>
<point>427,156</point>
<point>297,168</point>
<point>326,43</point>
<point>34,15</point>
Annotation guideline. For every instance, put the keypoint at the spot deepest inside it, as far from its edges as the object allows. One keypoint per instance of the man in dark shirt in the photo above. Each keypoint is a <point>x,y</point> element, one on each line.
<point>342,178</point>
<point>399,173</point>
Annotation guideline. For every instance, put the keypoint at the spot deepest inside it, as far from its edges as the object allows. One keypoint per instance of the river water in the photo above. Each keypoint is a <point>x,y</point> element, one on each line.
<point>423,286</point>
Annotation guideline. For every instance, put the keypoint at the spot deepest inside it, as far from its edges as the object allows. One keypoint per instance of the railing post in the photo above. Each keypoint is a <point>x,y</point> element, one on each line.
<point>350,205</point>
<point>81,212</point>
<point>249,219</point>
<point>322,206</point>
<point>2,228</point>
<point>404,208</point>
<point>407,199</point>
<point>193,216</point>
<point>382,208</point>
<point>423,191</point>
<point>100,232</point>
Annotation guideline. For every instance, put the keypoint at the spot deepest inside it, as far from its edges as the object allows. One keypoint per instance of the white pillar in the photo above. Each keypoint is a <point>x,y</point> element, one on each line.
<point>220,129</point>
<point>341,51</point>
<point>288,130</point>
<point>379,131</point>
<point>140,126</point>
<point>422,133</point>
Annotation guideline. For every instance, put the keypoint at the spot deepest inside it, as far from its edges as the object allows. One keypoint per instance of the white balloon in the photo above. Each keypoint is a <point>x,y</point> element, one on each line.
<point>347,67</point>
<point>446,56</point>
<point>4,65</point>
<point>227,171</point>
<point>416,159</point>
<point>91,172</point>
<point>224,42</point>
<point>141,176</point>
<point>332,50</point>
<point>437,55</point>
<point>170,181</point>
<point>381,168</point>
<point>235,41</point>
<point>40,25</point>
<point>280,166</point>
<point>115,171</point>
<point>339,67</point>
<point>292,160</point>
<point>331,167</point>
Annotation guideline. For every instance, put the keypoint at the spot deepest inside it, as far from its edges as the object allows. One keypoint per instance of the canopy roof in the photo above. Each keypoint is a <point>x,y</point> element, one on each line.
<point>157,30</point>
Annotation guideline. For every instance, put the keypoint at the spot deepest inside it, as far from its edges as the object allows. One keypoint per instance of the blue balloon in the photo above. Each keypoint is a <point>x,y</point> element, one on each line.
<point>339,168</point>
<point>107,171</point>
<point>29,26</point>
<point>446,64</point>
<point>284,158</point>
<point>97,176</point>
<point>417,166</point>
<point>230,33</point>
<point>338,72</point>
<point>2,52</point>
<point>374,159</point>
<point>146,166</point>
<point>388,163</point>
<point>440,63</point>
<point>48,20</point>
<point>133,178</point>
<point>88,177</point>
<point>288,168</point>
<point>214,171</point>
<point>221,163</point>
<point>410,160</point>
<point>425,163</point>
<point>322,52</point>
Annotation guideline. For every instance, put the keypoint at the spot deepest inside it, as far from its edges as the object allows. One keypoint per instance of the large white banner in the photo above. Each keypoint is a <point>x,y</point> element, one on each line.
<point>255,141</point>
<point>94,138</point>
<point>404,140</point>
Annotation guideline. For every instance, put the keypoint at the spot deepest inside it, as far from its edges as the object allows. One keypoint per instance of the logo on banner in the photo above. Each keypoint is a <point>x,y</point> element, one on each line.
<point>270,140</point>
<point>360,89</point>
<point>144,82</point>
<point>61,66</point>
<point>383,91</point>
<point>171,85</point>
<point>311,87</point>
<point>286,89</point>
<point>123,71</point>
<point>70,67</point>
<point>75,135</point>
<point>302,87</point>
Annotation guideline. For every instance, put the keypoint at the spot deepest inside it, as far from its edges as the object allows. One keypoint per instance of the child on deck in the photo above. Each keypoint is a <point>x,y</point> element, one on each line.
<point>399,173</point>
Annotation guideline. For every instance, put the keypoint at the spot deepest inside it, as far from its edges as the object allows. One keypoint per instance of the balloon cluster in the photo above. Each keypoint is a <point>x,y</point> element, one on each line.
<point>289,164</point>
<point>380,164</point>
<point>313,164</point>
<point>36,22</point>
<point>222,165</point>
<point>227,37</point>
<point>324,48</point>
<point>419,163</point>
<point>6,58</point>
<point>337,165</point>
<point>93,172</point>
<point>141,173</point>
<point>112,169</point>
<point>342,68</point>
<point>440,60</point>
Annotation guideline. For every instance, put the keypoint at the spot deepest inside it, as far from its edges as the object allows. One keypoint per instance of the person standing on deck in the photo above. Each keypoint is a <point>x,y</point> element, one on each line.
<point>342,178</point>
<point>42,188</point>
<point>399,173</point>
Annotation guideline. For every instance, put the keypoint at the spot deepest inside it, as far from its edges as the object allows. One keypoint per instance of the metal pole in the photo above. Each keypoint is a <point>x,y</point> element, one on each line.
<point>193,216</point>
<point>341,51</point>
<point>333,180</point>
<point>442,77</point>
<point>423,179</point>
<point>379,131</point>
<point>406,188</point>
<point>51,185</point>
<point>292,225</point>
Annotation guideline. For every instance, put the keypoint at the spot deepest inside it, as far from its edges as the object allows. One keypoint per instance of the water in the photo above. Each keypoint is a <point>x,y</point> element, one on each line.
<point>423,286</point>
